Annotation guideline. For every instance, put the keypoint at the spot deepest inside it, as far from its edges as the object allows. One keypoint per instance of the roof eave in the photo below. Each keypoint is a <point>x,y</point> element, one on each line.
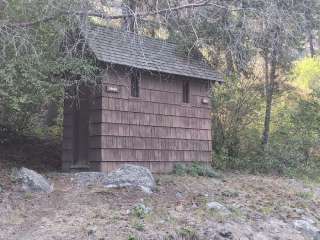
<point>219,79</point>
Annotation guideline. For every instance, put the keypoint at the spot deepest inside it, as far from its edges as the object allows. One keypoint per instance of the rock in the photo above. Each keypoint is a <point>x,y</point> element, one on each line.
<point>179,208</point>
<point>218,207</point>
<point>162,222</point>
<point>317,192</point>
<point>131,175</point>
<point>226,234</point>
<point>230,194</point>
<point>260,236</point>
<point>307,227</point>
<point>89,178</point>
<point>179,195</point>
<point>194,205</point>
<point>33,181</point>
<point>299,211</point>
<point>92,233</point>
<point>203,195</point>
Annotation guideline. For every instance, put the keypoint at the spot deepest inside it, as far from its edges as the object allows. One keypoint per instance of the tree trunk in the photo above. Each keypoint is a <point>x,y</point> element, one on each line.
<point>228,53</point>
<point>129,7</point>
<point>311,46</point>
<point>230,64</point>
<point>270,81</point>
<point>309,19</point>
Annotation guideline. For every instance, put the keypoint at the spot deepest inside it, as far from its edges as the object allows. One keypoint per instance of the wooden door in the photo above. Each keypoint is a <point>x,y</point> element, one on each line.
<point>81,129</point>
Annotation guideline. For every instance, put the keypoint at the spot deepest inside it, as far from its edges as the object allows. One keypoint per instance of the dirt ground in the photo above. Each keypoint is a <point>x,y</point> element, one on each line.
<point>261,208</point>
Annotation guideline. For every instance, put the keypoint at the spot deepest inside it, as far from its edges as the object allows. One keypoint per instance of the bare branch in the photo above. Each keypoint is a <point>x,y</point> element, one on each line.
<point>104,15</point>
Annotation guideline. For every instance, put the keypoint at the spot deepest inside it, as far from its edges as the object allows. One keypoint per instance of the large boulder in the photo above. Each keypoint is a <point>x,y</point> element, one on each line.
<point>307,227</point>
<point>131,175</point>
<point>32,181</point>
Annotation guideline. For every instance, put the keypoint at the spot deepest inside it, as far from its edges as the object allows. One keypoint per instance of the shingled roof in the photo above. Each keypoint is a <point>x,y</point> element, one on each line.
<point>129,49</point>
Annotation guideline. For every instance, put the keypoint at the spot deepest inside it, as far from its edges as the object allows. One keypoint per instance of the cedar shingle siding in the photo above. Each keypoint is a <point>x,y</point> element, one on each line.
<point>156,129</point>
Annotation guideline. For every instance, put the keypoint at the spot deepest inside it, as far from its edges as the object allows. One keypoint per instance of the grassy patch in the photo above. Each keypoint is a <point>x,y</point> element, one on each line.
<point>184,234</point>
<point>195,169</point>
<point>236,213</point>
<point>140,211</point>
<point>230,194</point>
<point>133,238</point>
<point>305,195</point>
<point>267,210</point>
<point>28,195</point>
<point>139,226</point>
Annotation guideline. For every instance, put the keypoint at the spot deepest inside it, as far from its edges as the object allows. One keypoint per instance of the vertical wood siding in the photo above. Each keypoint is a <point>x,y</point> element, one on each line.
<point>67,143</point>
<point>68,146</point>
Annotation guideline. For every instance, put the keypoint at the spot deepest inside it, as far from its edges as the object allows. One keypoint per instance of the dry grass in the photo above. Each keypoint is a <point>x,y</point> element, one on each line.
<point>179,209</point>
<point>71,211</point>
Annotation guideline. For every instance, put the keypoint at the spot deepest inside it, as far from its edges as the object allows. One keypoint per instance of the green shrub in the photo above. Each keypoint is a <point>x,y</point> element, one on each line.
<point>180,169</point>
<point>184,234</point>
<point>140,211</point>
<point>132,238</point>
<point>139,226</point>
<point>195,169</point>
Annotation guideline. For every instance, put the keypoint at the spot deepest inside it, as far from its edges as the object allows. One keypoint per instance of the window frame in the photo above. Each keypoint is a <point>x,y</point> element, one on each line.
<point>186,91</point>
<point>135,77</point>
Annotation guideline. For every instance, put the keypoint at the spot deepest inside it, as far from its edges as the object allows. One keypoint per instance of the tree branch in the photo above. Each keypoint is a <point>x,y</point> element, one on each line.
<point>104,15</point>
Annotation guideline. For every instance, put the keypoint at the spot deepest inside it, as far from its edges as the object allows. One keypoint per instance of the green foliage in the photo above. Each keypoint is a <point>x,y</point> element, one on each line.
<point>188,234</point>
<point>140,211</point>
<point>235,105</point>
<point>24,89</point>
<point>37,63</point>
<point>28,86</point>
<point>180,169</point>
<point>305,195</point>
<point>7,135</point>
<point>139,226</point>
<point>289,151</point>
<point>306,73</point>
<point>195,169</point>
<point>307,116</point>
<point>294,141</point>
<point>132,238</point>
<point>184,234</point>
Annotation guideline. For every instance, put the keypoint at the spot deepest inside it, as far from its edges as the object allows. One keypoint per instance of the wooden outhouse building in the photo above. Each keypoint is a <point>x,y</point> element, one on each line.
<point>152,107</point>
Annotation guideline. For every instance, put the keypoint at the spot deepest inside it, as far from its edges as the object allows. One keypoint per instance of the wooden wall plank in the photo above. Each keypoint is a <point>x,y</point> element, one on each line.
<point>154,128</point>
<point>146,119</point>
<point>152,143</point>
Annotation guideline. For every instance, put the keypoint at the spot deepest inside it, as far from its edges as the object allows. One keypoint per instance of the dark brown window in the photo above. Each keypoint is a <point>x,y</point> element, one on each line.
<point>135,77</point>
<point>186,92</point>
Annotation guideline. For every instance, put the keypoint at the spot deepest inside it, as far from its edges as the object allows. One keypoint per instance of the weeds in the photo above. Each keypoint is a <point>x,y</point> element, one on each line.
<point>184,234</point>
<point>132,238</point>
<point>195,169</point>
<point>28,195</point>
<point>267,210</point>
<point>305,195</point>
<point>140,211</point>
<point>138,226</point>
